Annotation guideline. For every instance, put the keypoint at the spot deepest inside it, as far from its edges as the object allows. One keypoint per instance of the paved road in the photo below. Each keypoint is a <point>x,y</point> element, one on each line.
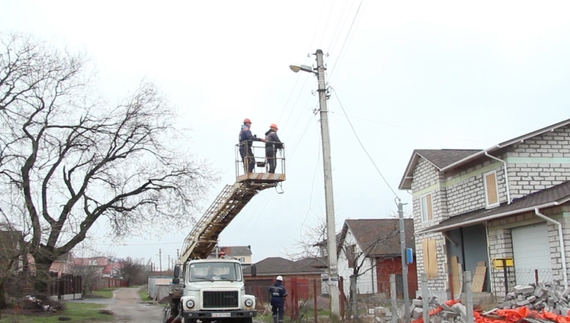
<point>128,307</point>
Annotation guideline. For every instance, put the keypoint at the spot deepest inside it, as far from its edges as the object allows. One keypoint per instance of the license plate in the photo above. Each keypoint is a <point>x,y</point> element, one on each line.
<point>221,314</point>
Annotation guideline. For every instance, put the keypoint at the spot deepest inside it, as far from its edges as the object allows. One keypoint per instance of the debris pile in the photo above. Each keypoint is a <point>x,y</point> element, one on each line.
<point>539,297</point>
<point>39,304</point>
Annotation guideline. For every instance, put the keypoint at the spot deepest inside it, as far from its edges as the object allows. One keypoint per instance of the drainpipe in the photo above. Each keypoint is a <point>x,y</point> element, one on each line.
<point>560,241</point>
<point>506,175</point>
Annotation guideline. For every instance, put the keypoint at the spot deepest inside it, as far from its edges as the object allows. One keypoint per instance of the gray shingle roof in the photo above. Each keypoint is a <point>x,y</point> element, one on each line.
<point>442,158</point>
<point>555,195</point>
<point>281,266</point>
<point>380,237</point>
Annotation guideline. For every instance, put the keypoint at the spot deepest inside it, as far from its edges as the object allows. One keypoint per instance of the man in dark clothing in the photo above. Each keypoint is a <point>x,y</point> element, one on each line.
<point>272,143</point>
<point>246,140</point>
<point>278,293</point>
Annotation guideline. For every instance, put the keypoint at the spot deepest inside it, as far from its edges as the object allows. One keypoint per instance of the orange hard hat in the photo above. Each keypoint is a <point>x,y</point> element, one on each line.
<point>246,120</point>
<point>273,126</point>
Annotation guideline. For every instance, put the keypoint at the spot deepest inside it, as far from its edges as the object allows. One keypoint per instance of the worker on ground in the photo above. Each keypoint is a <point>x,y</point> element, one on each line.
<point>277,293</point>
<point>246,140</point>
<point>272,144</point>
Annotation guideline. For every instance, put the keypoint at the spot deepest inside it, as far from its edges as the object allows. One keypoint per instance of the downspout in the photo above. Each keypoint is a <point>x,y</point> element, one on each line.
<point>560,241</point>
<point>506,175</point>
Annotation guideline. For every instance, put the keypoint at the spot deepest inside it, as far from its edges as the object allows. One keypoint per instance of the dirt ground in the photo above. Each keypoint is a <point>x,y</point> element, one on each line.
<point>127,307</point>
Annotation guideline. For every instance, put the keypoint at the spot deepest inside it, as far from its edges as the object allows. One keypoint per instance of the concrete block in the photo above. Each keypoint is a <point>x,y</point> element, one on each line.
<point>522,303</point>
<point>525,290</point>
<point>531,298</point>
<point>418,302</point>
<point>417,313</point>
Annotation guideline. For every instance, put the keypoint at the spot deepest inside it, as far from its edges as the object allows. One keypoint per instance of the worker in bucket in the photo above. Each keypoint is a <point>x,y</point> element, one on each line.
<point>272,144</point>
<point>246,140</point>
<point>278,293</point>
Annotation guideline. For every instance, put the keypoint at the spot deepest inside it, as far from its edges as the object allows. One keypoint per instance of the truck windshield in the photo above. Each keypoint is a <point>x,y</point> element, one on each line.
<point>211,271</point>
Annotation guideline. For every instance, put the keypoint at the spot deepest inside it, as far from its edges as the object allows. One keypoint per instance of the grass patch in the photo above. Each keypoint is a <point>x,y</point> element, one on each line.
<point>143,294</point>
<point>78,312</point>
<point>103,292</point>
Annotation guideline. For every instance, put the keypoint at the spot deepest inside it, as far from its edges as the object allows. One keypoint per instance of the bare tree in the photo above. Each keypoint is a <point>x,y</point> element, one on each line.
<point>132,270</point>
<point>68,160</point>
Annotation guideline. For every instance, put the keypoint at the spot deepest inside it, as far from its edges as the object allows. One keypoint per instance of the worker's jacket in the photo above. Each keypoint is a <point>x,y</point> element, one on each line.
<point>278,294</point>
<point>272,141</point>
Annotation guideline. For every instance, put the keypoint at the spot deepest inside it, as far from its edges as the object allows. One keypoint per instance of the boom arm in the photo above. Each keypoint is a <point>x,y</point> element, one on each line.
<point>233,198</point>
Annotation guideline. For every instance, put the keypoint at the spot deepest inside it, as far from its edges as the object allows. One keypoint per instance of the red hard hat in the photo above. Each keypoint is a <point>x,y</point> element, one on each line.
<point>246,120</point>
<point>273,126</point>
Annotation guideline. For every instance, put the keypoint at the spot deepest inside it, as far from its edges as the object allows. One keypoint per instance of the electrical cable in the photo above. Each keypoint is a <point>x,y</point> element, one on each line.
<point>361,145</point>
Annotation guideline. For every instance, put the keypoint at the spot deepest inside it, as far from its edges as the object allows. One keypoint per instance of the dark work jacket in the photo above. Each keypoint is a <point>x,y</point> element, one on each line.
<point>246,137</point>
<point>278,293</point>
<point>272,141</point>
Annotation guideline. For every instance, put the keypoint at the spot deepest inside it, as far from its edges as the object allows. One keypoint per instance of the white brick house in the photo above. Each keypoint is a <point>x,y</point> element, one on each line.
<point>509,201</point>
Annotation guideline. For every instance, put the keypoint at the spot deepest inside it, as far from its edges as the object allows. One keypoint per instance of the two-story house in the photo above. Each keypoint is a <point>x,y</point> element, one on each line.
<point>499,212</point>
<point>241,253</point>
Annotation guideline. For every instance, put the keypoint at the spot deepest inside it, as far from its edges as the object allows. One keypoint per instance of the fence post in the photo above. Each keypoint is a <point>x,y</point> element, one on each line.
<point>315,300</point>
<point>394,309</point>
<point>425,302</point>
<point>467,288</point>
<point>536,277</point>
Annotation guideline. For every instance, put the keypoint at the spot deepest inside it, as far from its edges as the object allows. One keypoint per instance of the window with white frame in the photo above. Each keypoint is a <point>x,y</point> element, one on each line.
<point>241,259</point>
<point>426,208</point>
<point>491,189</point>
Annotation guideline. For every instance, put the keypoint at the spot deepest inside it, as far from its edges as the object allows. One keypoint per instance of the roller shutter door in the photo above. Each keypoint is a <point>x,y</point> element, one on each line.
<point>531,253</point>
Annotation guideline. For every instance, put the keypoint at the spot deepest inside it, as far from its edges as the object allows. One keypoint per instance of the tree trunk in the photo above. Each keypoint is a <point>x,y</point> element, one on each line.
<point>2,296</point>
<point>353,297</point>
<point>43,278</point>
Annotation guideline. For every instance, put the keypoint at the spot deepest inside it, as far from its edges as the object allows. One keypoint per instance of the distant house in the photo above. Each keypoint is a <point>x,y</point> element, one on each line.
<point>10,245</point>
<point>371,247</point>
<point>103,266</point>
<point>474,209</point>
<point>241,253</point>
<point>63,264</point>
<point>307,270</point>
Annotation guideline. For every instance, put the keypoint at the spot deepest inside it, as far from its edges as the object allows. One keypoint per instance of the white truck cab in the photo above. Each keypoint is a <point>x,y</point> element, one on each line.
<point>214,290</point>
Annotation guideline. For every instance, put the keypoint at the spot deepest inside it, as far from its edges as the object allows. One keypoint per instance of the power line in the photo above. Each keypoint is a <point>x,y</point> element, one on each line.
<point>361,145</point>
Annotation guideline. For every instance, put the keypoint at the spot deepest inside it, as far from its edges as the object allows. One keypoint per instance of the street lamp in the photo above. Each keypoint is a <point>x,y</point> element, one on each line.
<point>331,232</point>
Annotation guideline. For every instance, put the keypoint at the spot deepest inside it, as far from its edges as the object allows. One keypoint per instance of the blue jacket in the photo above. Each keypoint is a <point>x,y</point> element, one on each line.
<point>278,293</point>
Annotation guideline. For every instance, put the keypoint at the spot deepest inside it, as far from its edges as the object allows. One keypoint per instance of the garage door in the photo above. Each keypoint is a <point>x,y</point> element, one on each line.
<point>531,253</point>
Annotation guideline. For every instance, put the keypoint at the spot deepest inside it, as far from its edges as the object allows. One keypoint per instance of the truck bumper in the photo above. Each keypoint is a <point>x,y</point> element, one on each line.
<point>219,314</point>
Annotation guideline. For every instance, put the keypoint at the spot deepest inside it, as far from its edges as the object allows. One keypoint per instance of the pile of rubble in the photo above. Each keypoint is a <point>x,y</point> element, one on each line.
<point>449,311</point>
<point>539,297</point>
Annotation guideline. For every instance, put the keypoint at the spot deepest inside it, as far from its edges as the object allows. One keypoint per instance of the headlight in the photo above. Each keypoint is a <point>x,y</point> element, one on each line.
<point>189,303</point>
<point>248,302</point>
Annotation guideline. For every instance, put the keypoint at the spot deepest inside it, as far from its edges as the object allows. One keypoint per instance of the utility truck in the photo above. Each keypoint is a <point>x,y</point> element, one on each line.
<point>207,288</point>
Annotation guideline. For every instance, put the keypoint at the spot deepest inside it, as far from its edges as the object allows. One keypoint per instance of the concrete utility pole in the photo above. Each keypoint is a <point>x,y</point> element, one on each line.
<point>160,259</point>
<point>404,263</point>
<point>329,197</point>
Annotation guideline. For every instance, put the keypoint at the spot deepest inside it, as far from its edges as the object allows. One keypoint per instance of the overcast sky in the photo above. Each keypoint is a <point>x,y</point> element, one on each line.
<point>407,75</point>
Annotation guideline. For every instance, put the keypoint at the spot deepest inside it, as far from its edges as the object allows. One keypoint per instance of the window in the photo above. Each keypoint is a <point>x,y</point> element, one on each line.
<point>430,258</point>
<point>426,208</point>
<point>491,189</point>
<point>241,259</point>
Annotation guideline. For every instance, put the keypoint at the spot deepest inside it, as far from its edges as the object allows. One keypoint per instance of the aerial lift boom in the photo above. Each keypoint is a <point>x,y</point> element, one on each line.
<point>233,198</point>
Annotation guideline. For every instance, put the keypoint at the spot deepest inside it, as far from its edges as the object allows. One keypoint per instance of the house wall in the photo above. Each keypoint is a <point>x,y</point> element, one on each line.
<point>387,267</point>
<point>365,283</point>
<point>539,162</point>
<point>501,246</point>
<point>428,180</point>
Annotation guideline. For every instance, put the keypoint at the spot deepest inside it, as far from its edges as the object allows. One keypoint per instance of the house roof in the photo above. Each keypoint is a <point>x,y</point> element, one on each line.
<point>282,266</point>
<point>236,251</point>
<point>549,197</point>
<point>379,237</point>
<point>447,159</point>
